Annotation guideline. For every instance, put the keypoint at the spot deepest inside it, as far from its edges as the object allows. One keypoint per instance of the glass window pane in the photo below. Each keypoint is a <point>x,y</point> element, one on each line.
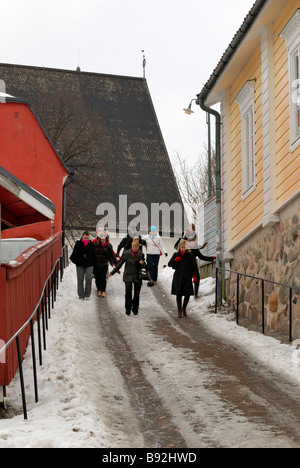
<point>248,153</point>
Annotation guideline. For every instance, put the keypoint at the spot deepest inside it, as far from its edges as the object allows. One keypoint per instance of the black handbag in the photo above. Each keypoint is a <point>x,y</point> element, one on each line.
<point>144,276</point>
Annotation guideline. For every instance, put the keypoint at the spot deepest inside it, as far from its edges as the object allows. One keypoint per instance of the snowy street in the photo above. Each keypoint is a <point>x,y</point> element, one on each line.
<point>153,380</point>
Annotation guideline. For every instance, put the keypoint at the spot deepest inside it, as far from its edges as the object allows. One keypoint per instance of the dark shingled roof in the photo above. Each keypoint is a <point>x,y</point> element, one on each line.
<point>130,157</point>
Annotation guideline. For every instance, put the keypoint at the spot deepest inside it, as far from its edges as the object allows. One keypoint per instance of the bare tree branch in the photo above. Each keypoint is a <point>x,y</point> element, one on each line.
<point>193,180</point>
<point>79,139</point>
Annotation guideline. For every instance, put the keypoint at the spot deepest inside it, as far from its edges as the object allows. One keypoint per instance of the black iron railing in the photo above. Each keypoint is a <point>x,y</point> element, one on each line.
<point>263,283</point>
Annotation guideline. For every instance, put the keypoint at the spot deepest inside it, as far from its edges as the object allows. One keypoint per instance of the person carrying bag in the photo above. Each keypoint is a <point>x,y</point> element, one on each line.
<point>134,261</point>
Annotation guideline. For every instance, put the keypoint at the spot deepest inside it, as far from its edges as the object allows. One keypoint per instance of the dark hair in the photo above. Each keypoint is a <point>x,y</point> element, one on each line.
<point>85,233</point>
<point>99,240</point>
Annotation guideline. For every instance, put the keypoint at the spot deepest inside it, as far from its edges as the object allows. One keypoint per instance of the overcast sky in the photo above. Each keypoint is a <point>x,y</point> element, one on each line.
<point>183,42</point>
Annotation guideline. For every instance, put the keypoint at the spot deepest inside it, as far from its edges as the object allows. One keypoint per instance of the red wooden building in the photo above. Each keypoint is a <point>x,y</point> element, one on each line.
<point>32,176</point>
<point>27,153</point>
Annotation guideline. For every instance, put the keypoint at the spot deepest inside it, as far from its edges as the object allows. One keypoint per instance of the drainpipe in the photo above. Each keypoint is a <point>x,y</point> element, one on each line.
<point>200,102</point>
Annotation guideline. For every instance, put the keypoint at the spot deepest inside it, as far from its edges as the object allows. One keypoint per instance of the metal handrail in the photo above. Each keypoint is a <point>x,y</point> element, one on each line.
<point>263,280</point>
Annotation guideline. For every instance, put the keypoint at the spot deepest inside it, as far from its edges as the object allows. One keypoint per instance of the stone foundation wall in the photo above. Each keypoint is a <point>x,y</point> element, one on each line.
<point>273,254</point>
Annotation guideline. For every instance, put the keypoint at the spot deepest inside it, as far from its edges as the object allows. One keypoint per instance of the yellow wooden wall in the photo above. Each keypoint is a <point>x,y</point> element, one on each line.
<point>287,163</point>
<point>248,213</point>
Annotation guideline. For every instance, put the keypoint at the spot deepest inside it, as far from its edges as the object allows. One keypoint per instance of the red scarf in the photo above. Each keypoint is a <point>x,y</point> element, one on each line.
<point>103,245</point>
<point>133,254</point>
<point>86,242</point>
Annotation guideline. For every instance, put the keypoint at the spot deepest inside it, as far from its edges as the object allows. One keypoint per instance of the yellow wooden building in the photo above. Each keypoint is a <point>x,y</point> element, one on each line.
<point>257,84</point>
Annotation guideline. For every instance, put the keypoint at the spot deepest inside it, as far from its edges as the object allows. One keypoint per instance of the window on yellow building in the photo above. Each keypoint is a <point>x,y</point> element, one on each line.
<point>245,99</point>
<point>291,34</point>
<point>248,156</point>
<point>295,104</point>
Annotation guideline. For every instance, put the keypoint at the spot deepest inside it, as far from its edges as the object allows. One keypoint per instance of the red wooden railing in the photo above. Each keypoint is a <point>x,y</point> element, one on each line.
<point>21,285</point>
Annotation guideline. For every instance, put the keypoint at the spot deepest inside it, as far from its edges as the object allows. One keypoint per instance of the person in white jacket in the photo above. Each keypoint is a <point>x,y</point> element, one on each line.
<point>155,248</point>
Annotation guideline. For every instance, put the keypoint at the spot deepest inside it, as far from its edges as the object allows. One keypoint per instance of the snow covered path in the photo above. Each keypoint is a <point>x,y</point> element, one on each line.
<point>109,380</point>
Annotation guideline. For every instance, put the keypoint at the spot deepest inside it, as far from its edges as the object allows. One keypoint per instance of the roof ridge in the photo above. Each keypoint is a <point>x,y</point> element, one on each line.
<point>63,70</point>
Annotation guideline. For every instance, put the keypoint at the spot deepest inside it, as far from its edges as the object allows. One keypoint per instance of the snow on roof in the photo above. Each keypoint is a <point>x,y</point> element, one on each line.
<point>5,95</point>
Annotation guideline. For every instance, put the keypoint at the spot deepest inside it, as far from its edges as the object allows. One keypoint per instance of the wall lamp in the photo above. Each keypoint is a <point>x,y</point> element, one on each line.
<point>189,110</point>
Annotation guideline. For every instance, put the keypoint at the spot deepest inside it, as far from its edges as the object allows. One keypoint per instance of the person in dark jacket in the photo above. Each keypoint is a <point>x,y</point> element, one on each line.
<point>195,250</point>
<point>185,275</point>
<point>105,255</point>
<point>134,261</point>
<point>126,242</point>
<point>84,257</point>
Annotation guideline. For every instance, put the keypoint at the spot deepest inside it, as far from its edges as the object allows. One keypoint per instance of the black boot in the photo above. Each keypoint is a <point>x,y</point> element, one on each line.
<point>185,303</point>
<point>179,307</point>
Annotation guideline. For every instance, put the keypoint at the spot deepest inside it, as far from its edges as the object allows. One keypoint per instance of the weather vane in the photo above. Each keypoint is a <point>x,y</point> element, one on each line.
<point>144,65</point>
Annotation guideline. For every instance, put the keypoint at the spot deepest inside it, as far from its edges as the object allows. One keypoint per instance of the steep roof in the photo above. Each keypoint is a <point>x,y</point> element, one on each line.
<point>127,154</point>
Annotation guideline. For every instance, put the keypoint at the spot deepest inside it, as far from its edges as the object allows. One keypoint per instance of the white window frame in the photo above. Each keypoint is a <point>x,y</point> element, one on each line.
<point>291,34</point>
<point>246,101</point>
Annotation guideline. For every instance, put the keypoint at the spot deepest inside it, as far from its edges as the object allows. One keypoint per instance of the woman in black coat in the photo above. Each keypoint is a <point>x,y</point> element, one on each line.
<point>185,274</point>
<point>84,257</point>
<point>105,255</point>
<point>134,261</point>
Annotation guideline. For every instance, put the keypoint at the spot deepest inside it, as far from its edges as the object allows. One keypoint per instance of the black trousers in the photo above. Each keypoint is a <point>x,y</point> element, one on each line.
<point>152,262</point>
<point>101,279</point>
<point>132,303</point>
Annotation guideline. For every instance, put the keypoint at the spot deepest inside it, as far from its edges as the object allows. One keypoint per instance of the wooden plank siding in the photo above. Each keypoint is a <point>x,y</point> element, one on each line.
<point>287,163</point>
<point>210,219</point>
<point>247,213</point>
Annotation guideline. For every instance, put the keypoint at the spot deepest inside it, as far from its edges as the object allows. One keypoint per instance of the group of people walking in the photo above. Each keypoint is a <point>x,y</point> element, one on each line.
<point>92,258</point>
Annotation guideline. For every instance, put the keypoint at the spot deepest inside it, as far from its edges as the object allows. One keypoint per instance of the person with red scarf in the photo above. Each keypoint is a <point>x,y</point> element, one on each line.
<point>84,257</point>
<point>105,255</point>
<point>134,261</point>
<point>184,276</point>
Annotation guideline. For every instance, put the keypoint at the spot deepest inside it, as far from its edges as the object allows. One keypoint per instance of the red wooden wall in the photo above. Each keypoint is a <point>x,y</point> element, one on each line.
<point>26,152</point>
<point>21,287</point>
